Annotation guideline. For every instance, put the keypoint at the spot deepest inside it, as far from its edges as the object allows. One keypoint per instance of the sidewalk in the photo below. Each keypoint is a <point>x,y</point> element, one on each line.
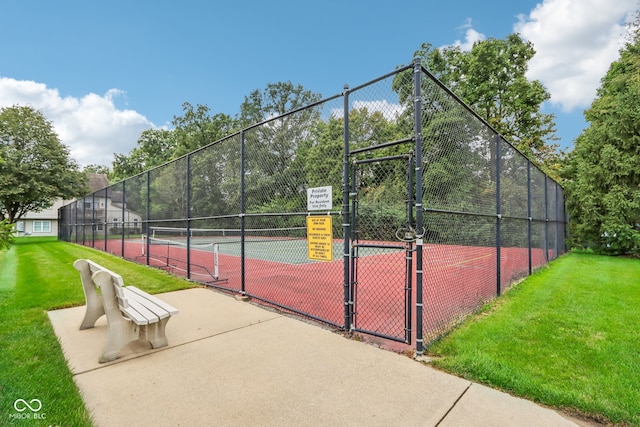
<point>233,363</point>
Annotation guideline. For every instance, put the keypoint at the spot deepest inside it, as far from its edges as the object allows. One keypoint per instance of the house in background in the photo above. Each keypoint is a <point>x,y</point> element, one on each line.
<point>105,209</point>
<point>43,223</point>
<point>104,212</point>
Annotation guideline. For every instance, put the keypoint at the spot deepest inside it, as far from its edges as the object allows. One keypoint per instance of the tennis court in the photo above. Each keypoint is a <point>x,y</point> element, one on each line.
<point>432,212</point>
<point>278,271</point>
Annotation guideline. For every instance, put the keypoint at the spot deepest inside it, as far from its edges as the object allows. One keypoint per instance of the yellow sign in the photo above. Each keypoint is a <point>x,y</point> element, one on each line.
<point>319,238</point>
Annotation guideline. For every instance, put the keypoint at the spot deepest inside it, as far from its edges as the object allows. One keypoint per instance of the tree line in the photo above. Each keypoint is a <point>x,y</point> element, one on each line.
<point>600,175</point>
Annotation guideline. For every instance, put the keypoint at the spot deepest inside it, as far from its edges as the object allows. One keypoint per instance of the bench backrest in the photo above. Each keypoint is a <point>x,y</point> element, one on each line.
<point>103,275</point>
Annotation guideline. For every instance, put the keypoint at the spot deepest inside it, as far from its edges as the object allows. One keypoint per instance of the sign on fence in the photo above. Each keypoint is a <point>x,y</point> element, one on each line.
<point>319,198</point>
<point>319,238</point>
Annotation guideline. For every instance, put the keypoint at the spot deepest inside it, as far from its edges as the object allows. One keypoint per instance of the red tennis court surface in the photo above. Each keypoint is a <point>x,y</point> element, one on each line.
<point>456,281</point>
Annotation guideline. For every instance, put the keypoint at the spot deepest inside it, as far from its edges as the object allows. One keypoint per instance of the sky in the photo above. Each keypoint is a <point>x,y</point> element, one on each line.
<point>103,72</point>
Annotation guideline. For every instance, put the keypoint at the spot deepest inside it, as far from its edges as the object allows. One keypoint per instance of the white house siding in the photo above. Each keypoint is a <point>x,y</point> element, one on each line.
<point>43,223</point>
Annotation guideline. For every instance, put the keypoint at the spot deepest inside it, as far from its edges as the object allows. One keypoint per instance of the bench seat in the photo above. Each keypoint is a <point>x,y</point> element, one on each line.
<point>132,314</point>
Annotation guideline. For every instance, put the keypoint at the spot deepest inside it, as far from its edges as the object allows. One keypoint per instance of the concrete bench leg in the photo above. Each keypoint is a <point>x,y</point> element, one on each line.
<point>92,314</point>
<point>156,333</point>
<point>95,308</point>
<point>120,332</point>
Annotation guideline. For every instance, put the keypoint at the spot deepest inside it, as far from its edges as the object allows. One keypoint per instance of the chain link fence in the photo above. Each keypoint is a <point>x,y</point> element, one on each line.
<point>390,209</point>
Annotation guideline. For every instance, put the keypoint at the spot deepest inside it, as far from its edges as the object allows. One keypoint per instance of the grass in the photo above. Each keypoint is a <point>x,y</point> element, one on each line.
<point>37,275</point>
<point>567,337</point>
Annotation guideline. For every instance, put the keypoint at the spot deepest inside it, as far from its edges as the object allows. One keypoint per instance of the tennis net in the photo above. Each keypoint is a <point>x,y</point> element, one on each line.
<point>208,236</point>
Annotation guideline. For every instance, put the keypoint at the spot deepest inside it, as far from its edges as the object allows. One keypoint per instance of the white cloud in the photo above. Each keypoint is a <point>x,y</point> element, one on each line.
<point>470,36</point>
<point>575,42</point>
<point>92,126</point>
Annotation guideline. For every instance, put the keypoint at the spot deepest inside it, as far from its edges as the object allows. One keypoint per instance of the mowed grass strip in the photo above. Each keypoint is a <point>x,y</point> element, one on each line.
<point>37,275</point>
<point>568,337</point>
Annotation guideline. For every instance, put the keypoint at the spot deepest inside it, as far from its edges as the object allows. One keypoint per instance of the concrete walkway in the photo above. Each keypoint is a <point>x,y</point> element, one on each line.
<point>233,363</point>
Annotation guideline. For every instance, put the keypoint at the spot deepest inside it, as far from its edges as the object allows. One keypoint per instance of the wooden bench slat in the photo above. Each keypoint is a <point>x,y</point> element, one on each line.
<point>140,314</point>
<point>166,307</point>
<point>147,307</point>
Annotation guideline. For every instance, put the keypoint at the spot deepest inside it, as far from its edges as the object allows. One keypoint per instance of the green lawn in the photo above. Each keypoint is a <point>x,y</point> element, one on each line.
<point>37,275</point>
<point>568,337</point>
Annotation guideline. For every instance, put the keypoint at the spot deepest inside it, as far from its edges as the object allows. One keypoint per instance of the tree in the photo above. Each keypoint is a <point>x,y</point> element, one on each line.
<point>6,234</point>
<point>275,100</point>
<point>274,178</point>
<point>603,171</point>
<point>155,147</point>
<point>491,79</point>
<point>193,130</point>
<point>196,128</point>
<point>99,169</point>
<point>36,167</point>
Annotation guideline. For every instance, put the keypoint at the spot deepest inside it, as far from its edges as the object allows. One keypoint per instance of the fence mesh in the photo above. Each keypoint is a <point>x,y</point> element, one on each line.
<point>426,212</point>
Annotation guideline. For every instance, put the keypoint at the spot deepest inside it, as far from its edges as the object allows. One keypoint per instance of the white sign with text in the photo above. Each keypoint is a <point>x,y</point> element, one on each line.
<point>319,198</point>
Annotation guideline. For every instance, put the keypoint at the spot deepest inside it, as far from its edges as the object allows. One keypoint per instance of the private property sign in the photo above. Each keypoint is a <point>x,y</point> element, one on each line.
<point>319,199</point>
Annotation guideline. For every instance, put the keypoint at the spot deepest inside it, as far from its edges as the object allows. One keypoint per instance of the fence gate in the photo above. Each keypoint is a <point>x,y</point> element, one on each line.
<point>382,242</point>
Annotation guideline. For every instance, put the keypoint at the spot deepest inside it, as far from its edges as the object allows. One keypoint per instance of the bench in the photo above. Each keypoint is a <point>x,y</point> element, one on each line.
<point>132,314</point>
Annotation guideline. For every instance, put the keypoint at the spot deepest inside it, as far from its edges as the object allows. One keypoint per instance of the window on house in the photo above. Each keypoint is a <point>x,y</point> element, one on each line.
<point>42,226</point>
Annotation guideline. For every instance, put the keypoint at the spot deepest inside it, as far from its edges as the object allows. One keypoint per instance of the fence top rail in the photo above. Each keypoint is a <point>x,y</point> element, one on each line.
<point>386,76</point>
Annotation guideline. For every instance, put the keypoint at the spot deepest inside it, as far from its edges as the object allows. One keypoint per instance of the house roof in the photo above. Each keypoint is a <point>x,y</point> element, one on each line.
<point>97,181</point>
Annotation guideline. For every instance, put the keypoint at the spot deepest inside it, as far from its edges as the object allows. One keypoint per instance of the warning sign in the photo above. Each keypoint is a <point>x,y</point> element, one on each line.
<point>319,238</point>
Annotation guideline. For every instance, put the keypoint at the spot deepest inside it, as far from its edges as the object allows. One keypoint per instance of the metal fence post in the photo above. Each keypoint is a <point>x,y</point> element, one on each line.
<point>417,81</point>
<point>124,203</point>
<point>498,215</point>
<point>75,220</point>
<point>346,217</point>
<point>105,229</point>
<point>83,218</point>
<point>188,214</point>
<point>93,220</point>
<point>557,219</point>
<point>148,244</point>
<point>546,221</point>
<point>242,212</point>
<point>529,222</point>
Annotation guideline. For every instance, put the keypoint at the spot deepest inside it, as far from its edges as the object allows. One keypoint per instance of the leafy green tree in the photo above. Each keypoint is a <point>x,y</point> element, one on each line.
<point>6,234</point>
<point>603,171</point>
<point>321,155</point>
<point>196,128</point>
<point>169,190</point>
<point>36,167</point>
<point>275,100</point>
<point>99,169</point>
<point>154,148</point>
<point>490,78</point>
<point>274,180</point>
<point>193,130</point>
